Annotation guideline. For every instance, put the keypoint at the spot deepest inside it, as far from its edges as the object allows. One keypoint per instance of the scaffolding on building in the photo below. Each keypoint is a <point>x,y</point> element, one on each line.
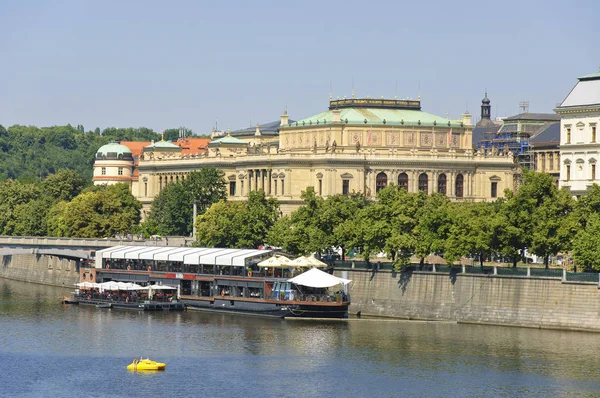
<point>513,137</point>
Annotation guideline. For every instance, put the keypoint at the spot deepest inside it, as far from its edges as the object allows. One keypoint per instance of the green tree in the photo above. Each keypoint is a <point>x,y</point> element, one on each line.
<point>14,194</point>
<point>516,213</point>
<point>433,225</point>
<point>586,245</point>
<point>174,134</point>
<point>94,214</point>
<point>64,185</point>
<point>553,224</point>
<point>171,211</point>
<point>206,186</point>
<point>238,224</point>
<point>298,233</point>
<point>473,231</point>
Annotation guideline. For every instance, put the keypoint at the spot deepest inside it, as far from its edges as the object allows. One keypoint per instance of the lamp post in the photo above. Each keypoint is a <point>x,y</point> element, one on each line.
<point>194,220</point>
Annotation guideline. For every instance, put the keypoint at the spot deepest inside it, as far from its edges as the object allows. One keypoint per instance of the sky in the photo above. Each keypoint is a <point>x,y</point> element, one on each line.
<point>162,64</point>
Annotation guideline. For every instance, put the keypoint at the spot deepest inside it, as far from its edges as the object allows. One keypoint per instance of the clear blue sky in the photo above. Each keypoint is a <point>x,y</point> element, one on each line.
<point>163,64</point>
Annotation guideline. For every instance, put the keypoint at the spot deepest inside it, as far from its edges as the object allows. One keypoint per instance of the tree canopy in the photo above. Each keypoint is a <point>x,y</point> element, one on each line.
<point>238,224</point>
<point>172,209</point>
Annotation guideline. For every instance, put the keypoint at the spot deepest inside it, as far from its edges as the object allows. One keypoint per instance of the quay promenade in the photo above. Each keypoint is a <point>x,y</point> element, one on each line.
<point>529,297</point>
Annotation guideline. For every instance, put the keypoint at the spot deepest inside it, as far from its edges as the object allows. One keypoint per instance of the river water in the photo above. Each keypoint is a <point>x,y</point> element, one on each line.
<point>52,350</point>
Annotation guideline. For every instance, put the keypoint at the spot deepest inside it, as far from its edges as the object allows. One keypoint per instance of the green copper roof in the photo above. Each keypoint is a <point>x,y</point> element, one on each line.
<point>591,76</point>
<point>163,145</point>
<point>377,116</point>
<point>113,147</point>
<point>227,140</point>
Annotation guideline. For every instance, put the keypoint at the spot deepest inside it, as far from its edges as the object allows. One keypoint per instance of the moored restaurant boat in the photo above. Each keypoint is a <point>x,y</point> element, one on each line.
<point>114,294</point>
<point>248,281</point>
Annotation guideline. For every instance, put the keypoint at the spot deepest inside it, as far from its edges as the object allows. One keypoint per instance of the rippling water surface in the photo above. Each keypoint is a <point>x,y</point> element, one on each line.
<point>53,350</point>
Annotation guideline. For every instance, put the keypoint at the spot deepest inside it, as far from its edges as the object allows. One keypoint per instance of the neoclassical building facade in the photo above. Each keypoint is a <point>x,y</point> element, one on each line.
<point>357,145</point>
<point>579,140</point>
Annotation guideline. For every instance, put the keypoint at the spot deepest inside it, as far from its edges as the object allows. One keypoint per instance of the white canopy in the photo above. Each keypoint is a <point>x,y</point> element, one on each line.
<point>276,261</point>
<point>308,261</point>
<point>186,255</point>
<point>112,285</point>
<point>317,278</point>
<point>86,285</point>
<point>161,287</point>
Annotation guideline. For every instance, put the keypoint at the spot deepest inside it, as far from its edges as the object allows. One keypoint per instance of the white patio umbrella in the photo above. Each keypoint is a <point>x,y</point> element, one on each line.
<point>318,278</point>
<point>276,261</point>
<point>308,261</point>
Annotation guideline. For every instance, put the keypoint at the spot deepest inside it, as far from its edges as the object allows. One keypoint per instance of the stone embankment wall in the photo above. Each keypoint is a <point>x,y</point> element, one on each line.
<point>39,268</point>
<point>547,303</point>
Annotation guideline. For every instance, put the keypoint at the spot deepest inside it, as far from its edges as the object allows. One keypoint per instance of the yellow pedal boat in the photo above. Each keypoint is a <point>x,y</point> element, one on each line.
<point>146,365</point>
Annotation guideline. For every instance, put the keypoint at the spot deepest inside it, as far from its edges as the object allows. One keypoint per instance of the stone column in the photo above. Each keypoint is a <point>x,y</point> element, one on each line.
<point>269,176</point>
<point>263,172</point>
<point>450,180</point>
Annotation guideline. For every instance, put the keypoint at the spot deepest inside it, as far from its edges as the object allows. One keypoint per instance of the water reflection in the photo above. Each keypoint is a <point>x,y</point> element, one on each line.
<point>221,354</point>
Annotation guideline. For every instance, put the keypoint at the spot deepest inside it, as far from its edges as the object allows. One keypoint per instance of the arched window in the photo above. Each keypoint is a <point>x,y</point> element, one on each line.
<point>442,184</point>
<point>380,181</point>
<point>423,182</point>
<point>403,181</point>
<point>459,186</point>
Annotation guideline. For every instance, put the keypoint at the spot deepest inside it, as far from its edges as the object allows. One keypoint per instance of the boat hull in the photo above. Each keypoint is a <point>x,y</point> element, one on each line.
<point>147,366</point>
<point>269,309</point>
<point>142,306</point>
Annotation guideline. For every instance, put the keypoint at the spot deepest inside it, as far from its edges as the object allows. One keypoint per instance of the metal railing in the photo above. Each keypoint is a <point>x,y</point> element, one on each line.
<point>525,272</point>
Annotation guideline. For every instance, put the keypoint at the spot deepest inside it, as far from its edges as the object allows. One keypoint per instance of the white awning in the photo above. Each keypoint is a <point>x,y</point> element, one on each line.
<point>179,256</point>
<point>164,256</point>
<point>317,278</point>
<point>186,255</point>
<point>161,287</point>
<point>238,257</point>
<point>135,254</point>
<point>106,253</point>
<point>152,251</point>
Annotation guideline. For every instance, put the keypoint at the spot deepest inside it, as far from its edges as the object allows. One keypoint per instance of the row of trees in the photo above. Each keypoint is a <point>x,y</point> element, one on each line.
<point>29,153</point>
<point>538,219</point>
<point>66,205</point>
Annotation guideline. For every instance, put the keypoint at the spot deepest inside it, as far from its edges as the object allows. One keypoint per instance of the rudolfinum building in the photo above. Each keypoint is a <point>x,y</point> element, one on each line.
<point>356,145</point>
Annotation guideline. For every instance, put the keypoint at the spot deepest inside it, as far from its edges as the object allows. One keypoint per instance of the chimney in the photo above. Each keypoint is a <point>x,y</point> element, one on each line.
<point>257,132</point>
<point>284,118</point>
<point>466,119</point>
<point>336,116</point>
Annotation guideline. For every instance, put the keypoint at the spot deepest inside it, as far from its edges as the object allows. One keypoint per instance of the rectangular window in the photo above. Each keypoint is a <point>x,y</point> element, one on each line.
<point>120,171</point>
<point>231,188</point>
<point>345,187</point>
<point>593,171</point>
<point>275,187</point>
<point>320,187</point>
<point>593,133</point>
<point>242,188</point>
<point>282,188</point>
<point>146,189</point>
<point>568,135</point>
<point>568,172</point>
<point>494,189</point>
<point>104,171</point>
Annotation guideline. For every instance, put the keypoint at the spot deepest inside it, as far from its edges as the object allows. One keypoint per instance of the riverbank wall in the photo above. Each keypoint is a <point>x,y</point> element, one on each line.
<point>537,302</point>
<point>40,268</point>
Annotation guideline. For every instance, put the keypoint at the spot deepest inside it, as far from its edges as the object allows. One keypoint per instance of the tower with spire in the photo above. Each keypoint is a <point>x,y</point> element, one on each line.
<point>486,112</point>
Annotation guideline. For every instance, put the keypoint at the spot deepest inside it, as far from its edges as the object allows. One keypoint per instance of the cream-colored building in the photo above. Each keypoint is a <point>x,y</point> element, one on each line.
<point>579,141</point>
<point>113,164</point>
<point>357,145</point>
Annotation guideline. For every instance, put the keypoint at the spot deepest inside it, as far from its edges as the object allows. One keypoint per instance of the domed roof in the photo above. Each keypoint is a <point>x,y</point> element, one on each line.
<point>113,150</point>
<point>485,100</point>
